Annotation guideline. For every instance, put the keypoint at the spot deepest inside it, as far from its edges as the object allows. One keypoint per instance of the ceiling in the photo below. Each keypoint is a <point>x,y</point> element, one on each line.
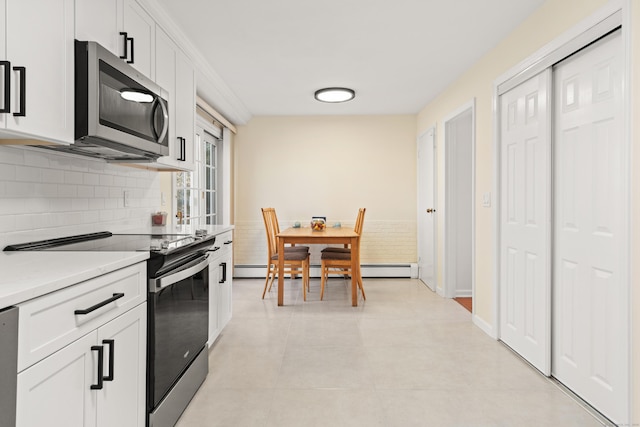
<point>397,55</point>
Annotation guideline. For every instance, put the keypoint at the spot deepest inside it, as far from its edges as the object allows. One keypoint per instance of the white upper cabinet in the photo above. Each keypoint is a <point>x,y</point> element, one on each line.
<point>121,26</point>
<point>5,68</point>
<point>37,50</point>
<point>140,28</point>
<point>175,74</point>
<point>101,21</point>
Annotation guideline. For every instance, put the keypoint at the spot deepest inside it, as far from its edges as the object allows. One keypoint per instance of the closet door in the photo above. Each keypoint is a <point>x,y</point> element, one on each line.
<point>525,196</point>
<point>590,314</point>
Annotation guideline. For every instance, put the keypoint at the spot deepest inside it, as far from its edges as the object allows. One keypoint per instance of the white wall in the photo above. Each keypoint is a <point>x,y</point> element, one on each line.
<point>44,194</point>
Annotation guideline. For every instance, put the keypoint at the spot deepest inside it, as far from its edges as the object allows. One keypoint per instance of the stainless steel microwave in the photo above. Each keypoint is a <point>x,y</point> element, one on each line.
<point>120,114</point>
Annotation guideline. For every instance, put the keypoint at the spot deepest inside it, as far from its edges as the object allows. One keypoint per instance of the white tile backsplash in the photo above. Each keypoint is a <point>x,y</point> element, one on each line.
<point>45,194</point>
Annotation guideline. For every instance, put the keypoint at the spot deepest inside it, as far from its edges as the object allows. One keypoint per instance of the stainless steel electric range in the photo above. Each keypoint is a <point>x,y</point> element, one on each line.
<point>177,307</point>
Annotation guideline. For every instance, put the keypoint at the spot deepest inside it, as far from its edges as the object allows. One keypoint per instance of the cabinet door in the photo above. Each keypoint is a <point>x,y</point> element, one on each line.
<point>3,57</point>
<point>224,291</point>
<point>100,21</point>
<point>122,400</point>
<point>141,27</point>
<point>214,278</point>
<point>56,392</point>
<point>39,37</point>
<point>186,108</point>
<point>175,74</point>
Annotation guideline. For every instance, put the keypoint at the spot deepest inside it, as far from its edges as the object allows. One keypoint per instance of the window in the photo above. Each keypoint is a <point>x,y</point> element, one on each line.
<point>210,190</point>
<point>197,193</point>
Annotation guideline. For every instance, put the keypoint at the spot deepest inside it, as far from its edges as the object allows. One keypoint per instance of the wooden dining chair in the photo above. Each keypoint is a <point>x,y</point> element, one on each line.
<point>357,229</point>
<point>338,260</point>
<point>296,258</point>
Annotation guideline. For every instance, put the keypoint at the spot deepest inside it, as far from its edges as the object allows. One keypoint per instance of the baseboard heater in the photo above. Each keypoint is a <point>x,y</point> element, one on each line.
<point>368,270</point>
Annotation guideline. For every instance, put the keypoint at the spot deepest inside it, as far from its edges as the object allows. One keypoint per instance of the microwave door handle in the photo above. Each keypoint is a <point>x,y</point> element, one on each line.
<point>165,121</point>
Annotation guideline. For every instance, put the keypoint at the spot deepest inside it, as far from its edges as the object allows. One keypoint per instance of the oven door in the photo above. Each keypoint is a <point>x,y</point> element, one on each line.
<point>178,307</point>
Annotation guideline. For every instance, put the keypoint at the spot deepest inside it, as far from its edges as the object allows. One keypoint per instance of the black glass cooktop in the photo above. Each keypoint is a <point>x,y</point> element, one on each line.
<point>107,241</point>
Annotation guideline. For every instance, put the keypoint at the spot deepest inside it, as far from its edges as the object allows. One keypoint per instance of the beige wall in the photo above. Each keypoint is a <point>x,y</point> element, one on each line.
<point>551,20</point>
<point>548,22</point>
<point>328,166</point>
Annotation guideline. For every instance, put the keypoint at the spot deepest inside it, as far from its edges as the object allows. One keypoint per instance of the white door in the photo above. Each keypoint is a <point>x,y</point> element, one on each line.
<point>427,208</point>
<point>590,327</point>
<point>524,220</point>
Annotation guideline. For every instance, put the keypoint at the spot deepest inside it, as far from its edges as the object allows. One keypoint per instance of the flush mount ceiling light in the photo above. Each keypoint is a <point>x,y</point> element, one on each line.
<point>136,95</point>
<point>334,94</point>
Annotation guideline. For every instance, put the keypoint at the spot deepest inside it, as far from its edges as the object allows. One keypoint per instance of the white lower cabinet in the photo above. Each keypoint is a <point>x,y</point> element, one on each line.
<point>55,392</point>
<point>98,379</point>
<point>220,285</point>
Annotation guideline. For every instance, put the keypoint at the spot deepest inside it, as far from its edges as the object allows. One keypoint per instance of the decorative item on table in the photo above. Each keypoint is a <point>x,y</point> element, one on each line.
<point>159,218</point>
<point>318,223</point>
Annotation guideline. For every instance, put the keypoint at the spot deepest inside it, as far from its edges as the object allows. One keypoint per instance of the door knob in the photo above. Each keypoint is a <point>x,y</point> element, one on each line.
<point>430,210</point>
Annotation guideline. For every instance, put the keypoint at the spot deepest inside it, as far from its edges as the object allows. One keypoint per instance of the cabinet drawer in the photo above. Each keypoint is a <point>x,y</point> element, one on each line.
<point>225,241</point>
<point>50,322</point>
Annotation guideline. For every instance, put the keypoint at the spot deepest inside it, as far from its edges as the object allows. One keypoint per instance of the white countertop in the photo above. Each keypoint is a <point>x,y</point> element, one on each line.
<point>26,275</point>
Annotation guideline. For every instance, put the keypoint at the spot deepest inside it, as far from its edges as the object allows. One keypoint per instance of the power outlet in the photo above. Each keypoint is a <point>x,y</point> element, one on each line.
<point>127,194</point>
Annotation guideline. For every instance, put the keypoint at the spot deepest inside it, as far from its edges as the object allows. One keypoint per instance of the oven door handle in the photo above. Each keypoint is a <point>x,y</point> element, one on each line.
<point>155,285</point>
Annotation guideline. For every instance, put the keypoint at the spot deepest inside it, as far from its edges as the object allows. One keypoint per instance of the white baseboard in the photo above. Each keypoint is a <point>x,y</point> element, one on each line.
<point>368,270</point>
<point>464,294</point>
<point>486,328</point>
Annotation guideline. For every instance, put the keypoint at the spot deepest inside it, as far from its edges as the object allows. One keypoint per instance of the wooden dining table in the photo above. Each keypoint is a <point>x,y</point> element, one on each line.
<point>330,235</point>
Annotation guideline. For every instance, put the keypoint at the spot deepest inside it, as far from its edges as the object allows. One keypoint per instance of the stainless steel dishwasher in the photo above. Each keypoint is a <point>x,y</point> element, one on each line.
<point>8,365</point>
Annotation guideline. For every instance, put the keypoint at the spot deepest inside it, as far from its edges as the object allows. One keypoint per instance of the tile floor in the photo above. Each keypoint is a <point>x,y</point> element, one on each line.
<point>405,357</point>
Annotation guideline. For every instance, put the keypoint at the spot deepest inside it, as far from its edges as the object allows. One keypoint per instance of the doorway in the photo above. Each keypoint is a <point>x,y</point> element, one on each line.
<point>459,213</point>
<point>427,209</point>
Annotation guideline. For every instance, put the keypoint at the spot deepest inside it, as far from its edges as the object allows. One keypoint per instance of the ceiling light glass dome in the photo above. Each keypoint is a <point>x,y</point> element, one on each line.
<point>335,94</point>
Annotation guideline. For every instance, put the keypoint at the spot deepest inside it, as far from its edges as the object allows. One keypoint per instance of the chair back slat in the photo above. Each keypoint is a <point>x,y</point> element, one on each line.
<point>360,220</point>
<point>268,215</point>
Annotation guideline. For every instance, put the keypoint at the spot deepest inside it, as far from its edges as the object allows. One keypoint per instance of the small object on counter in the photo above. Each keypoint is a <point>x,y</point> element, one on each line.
<point>296,224</point>
<point>337,225</point>
<point>159,218</point>
<point>318,223</point>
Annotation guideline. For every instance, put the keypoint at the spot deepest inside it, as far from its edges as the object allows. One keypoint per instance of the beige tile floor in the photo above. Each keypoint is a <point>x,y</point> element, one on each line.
<point>404,357</point>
